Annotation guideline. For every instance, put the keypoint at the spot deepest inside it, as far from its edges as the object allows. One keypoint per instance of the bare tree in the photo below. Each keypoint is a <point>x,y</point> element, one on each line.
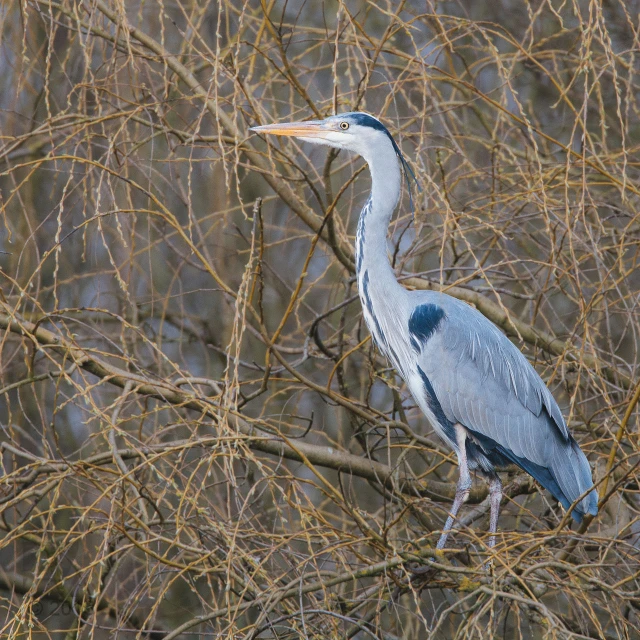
<point>198,438</point>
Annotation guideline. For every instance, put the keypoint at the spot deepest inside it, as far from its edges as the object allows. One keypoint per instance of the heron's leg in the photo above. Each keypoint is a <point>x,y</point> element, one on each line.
<point>495,497</point>
<point>464,484</point>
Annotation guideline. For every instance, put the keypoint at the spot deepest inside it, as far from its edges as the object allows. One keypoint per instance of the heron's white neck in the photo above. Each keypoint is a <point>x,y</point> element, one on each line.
<point>381,295</point>
<point>371,237</point>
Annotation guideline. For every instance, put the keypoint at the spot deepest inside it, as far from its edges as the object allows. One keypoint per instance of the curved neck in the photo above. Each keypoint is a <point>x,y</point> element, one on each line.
<point>371,237</point>
<point>382,297</point>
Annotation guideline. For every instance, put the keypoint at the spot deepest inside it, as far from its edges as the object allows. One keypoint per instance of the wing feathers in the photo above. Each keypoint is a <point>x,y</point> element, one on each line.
<point>483,382</point>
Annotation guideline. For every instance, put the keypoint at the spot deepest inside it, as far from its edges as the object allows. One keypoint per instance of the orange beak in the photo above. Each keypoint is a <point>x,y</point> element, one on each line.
<point>309,129</point>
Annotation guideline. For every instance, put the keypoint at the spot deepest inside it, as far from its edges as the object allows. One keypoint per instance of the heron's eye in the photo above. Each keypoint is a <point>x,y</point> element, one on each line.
<point>344,126</point>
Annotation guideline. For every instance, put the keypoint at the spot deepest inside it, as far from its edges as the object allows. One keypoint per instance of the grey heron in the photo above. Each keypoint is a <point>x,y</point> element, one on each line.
<point>479,392</point>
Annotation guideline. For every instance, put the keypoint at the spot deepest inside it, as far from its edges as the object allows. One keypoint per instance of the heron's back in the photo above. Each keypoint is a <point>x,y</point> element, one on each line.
<point>473,375</point>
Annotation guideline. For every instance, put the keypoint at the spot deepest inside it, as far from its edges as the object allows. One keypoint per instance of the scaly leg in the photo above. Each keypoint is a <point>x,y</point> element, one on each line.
<point>495,497</point>
<point>464,484</point>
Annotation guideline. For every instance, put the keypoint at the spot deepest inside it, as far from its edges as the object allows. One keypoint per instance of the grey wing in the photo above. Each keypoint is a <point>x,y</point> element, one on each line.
<point>482,381</point>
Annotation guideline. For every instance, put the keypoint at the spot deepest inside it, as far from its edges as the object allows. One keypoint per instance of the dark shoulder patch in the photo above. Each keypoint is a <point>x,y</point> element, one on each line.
<point>424,321</point>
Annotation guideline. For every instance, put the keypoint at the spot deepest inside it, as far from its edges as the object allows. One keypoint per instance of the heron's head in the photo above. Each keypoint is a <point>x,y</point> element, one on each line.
<point>357,131</point>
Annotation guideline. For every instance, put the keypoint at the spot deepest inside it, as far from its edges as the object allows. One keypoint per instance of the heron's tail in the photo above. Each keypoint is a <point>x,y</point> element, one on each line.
<point>573,476</point>
<point>566,473</point>
<point>567,477</point>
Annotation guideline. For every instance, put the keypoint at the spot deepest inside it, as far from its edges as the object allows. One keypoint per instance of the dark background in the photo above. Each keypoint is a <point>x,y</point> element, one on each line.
<point>189,400</point>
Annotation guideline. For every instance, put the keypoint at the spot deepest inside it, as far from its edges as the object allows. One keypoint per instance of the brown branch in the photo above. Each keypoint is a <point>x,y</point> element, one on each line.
<point>321,456</point>
<point>496,313</point>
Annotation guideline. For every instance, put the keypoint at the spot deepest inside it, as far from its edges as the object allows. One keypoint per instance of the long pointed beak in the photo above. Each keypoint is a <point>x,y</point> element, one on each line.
<point>308,129</point>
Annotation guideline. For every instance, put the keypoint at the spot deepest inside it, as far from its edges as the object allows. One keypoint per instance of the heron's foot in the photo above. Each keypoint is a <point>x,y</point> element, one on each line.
<point>490,565</point>
<point>420,571</point>
<point>420,576</point>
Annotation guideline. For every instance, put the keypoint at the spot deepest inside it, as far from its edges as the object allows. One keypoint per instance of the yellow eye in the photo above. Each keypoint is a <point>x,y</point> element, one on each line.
<point>344,126</point>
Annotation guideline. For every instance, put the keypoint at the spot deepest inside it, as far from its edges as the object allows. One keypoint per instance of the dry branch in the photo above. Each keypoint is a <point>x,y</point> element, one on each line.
<point>191,409</point>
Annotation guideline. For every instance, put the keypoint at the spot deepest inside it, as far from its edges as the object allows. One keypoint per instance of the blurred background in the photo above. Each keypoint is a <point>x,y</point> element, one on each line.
<point>198,438</point>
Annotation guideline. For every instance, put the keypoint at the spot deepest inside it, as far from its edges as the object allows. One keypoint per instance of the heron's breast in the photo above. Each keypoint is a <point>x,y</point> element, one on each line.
<point>386,320</point>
